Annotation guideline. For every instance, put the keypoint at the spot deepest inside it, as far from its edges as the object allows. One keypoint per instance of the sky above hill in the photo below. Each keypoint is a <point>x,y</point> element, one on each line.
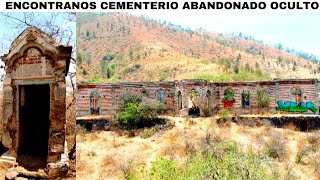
<point>299,30</point>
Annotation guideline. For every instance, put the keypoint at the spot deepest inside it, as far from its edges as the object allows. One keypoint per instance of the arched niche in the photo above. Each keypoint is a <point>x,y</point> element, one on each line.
<point>95,102</point>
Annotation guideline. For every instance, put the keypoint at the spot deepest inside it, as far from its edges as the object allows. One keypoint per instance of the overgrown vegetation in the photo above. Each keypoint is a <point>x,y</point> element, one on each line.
<point>136,109</point>
<point>232,77</point>
<point>224,115</point>
<point>276,147</point>
<point>198,148</point>
<point>263,97</point>
<point>219,161</point>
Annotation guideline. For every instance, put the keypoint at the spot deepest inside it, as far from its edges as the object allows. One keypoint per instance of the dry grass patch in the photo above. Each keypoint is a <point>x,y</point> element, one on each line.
<point>314,140</point>
<point>121,157</point>
<point>316,164</point>
<point>82,165</point>
<point>276,146</point>
<point>302,151</point>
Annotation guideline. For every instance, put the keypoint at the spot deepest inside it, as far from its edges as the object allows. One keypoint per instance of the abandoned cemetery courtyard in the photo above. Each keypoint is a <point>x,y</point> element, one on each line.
<point>156,100</point>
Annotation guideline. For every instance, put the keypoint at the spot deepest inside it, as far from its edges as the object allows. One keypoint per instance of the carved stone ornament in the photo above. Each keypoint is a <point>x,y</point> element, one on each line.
<point>33,52</point>
<point>31,37</point>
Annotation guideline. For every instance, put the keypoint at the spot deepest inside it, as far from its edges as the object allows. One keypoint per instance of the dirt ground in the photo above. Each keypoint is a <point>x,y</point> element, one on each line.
<point>110,154</point>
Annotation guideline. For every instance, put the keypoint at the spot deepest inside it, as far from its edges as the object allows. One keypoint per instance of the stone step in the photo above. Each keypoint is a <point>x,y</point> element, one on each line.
<point>7,156</point>
<point>7,160</point>
<point>7,163</point>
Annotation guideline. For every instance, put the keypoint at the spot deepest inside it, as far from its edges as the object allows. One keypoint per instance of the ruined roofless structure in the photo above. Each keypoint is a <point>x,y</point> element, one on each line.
<point>239,97</point>
<point>34,102</point>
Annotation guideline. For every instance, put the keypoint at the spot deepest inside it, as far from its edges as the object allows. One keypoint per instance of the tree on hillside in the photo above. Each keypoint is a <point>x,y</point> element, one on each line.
<point>279,47</point>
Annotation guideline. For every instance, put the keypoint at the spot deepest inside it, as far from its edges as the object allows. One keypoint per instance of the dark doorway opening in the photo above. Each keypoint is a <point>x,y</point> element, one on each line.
<point>303,125</point>
<point>34,124</point>
<point>89,126</point>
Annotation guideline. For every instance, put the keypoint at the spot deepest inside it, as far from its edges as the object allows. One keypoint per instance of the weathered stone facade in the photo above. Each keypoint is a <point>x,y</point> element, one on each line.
<point>34,101</point>
<point>176,95</point>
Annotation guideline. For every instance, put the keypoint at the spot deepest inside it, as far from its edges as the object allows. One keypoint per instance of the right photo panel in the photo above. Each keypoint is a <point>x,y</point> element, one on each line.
<point>198,95</point>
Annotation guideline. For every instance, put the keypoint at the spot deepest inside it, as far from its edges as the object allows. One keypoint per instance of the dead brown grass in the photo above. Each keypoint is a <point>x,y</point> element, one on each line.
<point>316,164</point>
<point>71,132</point>
<point>117,156</point>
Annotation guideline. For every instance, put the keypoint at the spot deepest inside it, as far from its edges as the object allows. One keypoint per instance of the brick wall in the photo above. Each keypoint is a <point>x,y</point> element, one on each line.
<point>277,90</point>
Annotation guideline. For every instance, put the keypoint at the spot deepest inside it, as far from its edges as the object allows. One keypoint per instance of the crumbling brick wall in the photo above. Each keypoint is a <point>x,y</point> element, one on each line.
<point>277,90</point>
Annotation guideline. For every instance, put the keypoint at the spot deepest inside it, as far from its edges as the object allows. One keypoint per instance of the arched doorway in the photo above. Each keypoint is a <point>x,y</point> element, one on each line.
<point>208,99</point>
<point>161,96</point>
<point>245,98</point>
<point>179,100</point>
<point>228,98</point>
<point>296,93</point>
<point>193,103</point>
<point>95,102</point>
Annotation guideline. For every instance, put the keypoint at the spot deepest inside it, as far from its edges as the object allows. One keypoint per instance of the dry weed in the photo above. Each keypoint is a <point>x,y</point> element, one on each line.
<point>81,165</point>
<point>276,146</point>
<point>145,146</point>
<point>302,150</point>
<point>108,167</point>
<point>126,167</point>
<point>92,137</point>
<point>289,173</point>
<point>190,121</point>
<point>316,164</point>
<point>115,143</point>
<point>213,121</point>
<point>261,145</point>
<point>314,141</point>
<point>108,160</point>
<point>219,135</point>
<point>80,130</point>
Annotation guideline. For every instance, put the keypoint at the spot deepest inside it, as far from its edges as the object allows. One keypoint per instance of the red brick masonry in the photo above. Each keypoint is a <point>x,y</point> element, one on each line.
<point>176,92</point>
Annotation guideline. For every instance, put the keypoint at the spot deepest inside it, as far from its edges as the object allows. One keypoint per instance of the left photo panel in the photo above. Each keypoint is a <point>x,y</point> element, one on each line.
<point>37,95</point>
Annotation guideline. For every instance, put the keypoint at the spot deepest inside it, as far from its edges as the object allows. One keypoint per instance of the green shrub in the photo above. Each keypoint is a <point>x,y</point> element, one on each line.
<point>224,164</point>
<point>149,132</point>
<point>263,98</point>
<point>164,168</point>
<point>131,116</point>
<point>228,95</point>
<point>130,69</point>
<point>224,115</point>
<point>108,57</point>
<point>136,110</point>
<point>242,75</point>
<point>152,108</point>
<point>128,98</point>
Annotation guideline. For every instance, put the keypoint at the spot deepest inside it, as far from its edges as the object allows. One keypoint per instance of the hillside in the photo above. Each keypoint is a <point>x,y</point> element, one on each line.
<point>122,47</point>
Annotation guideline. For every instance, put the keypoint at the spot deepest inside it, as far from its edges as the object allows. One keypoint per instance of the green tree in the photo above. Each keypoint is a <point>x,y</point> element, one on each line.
<point>79,59</point>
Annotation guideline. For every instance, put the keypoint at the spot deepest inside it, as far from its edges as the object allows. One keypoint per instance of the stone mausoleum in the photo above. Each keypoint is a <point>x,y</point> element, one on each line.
<point>34,102</point>
<point>288,95</point>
